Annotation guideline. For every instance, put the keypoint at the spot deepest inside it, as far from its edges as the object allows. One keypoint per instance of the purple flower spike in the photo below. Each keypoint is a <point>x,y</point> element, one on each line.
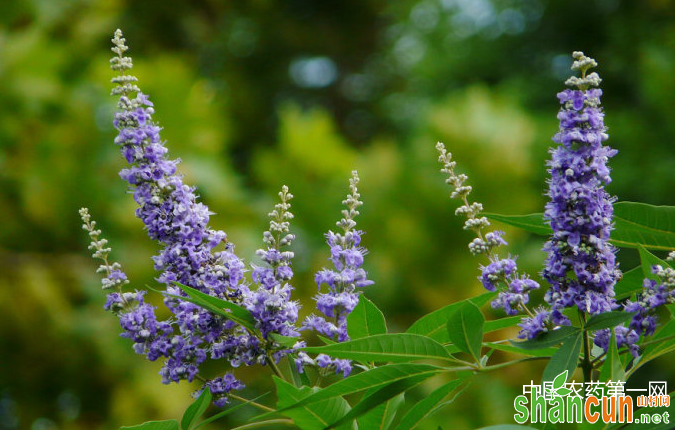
<point>271,303</point>
<point>341,296</point>
<point>175,218</point>
<point>581,266</point>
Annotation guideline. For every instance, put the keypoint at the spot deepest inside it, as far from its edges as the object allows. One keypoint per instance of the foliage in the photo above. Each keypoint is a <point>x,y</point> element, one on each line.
<point>484,88</point>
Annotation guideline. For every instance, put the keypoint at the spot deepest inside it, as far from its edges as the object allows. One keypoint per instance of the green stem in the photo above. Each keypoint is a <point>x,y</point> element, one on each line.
<point>257,405</point>
<point>509,363</point>
<point>586,365</point>
<point>281,421</point>
<point>274,367</point>
<point>598,358</point>
<point>653,341</point>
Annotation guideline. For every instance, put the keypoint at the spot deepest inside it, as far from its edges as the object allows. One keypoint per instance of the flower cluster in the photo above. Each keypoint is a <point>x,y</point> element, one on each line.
<point>271,303</point>
<point>581,266</point>
<point>538,322</point>
<point>502,273</point>
<point>114,276</point>
<point>175,218</point>
<point>655,293</point>
<point>482,244</point>
<point>341,297</point>
<point>221,387</point>
<point>625,336</point>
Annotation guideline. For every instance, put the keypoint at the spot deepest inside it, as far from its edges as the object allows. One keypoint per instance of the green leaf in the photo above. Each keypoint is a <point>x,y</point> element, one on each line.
<point>374,378</point>
<point>434,325</point>
<point>640,223</point>
<point>316,416</point>
<point>565,360</point>
<point>196,409</point>
<point>382,416</point>
<point>299,379</point>
<point>465,329</point>
<point>399,347</point>
<point>155,425</point>
<point>325,340</point>
<point>543,352</point>
<point>379,397</point>
<point>634,223</point>
<point>534,223</point>
<point>228,411</point>
<point>426,406</point>
<point>612,368</point>
<point>607,320</point>
<point>631,282</point>
<point>218,306</point>
<point>657,348</point>
<point>550,338</point>
<point>501,323</point>
<point>365,320</point>
<point>287,341</point>
<point>648,260</point>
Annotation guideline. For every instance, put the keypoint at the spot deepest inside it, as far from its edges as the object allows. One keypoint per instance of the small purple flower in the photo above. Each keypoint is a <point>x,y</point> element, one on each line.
<point>496,271</point>
<point>323,361</point>
<point>624,337</point>
<point>532,326</point>
<point>340,365</point>
<point>221,387</point>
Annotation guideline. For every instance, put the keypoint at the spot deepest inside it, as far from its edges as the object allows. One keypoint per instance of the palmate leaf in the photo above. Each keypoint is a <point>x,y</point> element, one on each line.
<point>398,347</point>
<point>630,282</point>
<point>434,324</point>
<point>607,320</point>
<point>640,223</point>
<point>374,378</point>
<point>546,340</point>
<point>465,329</point>
<point>634,223</point>
<point>365,320</point>
<point>379,397</point>
<point>565,360</point>
<point>612,368</point>
<point>489,327</point>
<point>315,416</point>
<point>501,323</point>
<point>427,406</point>
<point>543,352</point>
<point>229,411</point>
<point>381,417</point>
<point>155,425</point>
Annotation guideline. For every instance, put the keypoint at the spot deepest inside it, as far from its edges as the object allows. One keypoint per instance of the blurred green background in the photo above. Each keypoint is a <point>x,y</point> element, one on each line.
<point>256,94</point>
